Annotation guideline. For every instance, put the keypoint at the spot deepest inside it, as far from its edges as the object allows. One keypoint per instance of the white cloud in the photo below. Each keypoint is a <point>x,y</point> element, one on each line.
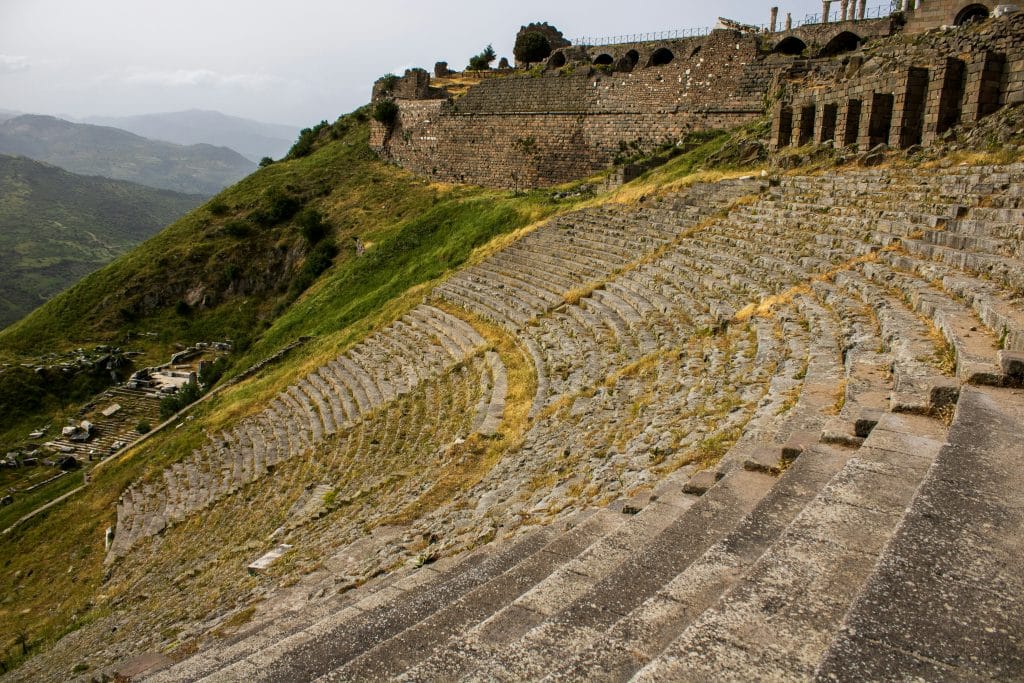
<point>10,64</point>
<point>199,77</point>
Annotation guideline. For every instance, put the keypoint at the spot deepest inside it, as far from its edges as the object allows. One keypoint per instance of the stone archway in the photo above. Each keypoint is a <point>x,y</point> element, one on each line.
<point>843,42</point>
<point>557,60</point>
<point>661,57</point>
<point>628,61</point>
<point>790,46</point>
<point>971,13</point>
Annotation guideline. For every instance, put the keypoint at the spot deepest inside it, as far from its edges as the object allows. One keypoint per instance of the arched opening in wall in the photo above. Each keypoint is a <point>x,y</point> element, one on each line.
<point>557,60</point>
<point>790,46</point>
<point>844,42</point>
<point>628,61</point>
<point>604,59</point>
<point>971,13</point>
<point>661,57</point>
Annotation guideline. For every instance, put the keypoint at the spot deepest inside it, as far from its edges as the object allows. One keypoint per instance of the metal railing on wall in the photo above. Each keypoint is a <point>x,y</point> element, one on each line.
<point>642,37</point>
<point>877,12</point>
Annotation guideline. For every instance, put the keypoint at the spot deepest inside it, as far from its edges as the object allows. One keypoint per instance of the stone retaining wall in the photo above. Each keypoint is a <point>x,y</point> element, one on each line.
<point>538,129</point>
<point>909,92</point>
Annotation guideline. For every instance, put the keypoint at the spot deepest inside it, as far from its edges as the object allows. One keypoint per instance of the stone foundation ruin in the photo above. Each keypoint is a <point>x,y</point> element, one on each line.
<point>856,81</point>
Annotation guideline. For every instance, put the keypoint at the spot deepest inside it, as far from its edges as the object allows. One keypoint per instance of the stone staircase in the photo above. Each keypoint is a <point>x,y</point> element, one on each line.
<point>738,445</point>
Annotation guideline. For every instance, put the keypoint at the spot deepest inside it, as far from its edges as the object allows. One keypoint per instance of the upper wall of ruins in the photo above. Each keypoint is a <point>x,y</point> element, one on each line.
<point>586,105</point>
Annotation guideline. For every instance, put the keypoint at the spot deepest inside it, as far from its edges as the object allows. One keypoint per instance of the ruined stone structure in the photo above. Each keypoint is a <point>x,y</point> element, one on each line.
<point>545,127</point>
<point>588,104</point>
<point>905,93</point>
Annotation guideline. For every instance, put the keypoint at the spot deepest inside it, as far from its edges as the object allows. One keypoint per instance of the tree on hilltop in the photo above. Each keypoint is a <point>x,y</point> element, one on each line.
<point>531,46</point>
<point>552,35</point>
<point>482,61</point>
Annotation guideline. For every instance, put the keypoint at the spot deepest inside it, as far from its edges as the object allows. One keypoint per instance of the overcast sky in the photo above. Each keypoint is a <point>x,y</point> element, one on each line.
<point>291,61</point>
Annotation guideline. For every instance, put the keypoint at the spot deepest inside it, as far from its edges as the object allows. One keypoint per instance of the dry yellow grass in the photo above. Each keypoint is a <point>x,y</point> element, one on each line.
<point>481,453</point>
<point>840,402</point>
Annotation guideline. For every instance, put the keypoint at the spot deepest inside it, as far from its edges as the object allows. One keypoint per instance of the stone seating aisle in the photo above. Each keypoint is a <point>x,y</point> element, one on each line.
<point>353,385</point>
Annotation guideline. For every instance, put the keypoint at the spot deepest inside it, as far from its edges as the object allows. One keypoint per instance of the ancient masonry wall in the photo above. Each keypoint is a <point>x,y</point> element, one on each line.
<point>537,130</point>
<point>907,94</point>
<point>591,105</point>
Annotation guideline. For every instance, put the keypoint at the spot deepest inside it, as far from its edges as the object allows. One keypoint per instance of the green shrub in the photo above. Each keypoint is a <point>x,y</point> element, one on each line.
<point>217,207</point>
<point>238,228</point>
<point>386,112</point>
<point>266,161</point>
<point>143,427</point>
<point>182,308</point>
<point>188,394</point>
<point>482,61</point>
<point>278,206</point>
<point>307,137</point>
<point>318,261</point>
<point>311,223</point>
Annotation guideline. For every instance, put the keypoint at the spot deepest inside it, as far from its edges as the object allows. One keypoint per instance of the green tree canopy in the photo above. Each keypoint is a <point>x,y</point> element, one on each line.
<point>531,46</point>
<point>482,61</point>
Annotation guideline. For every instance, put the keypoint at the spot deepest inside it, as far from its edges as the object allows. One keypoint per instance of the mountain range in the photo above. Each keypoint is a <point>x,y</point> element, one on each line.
<point>253,139</point>
<point>100,150</point>
<point>56,227</point>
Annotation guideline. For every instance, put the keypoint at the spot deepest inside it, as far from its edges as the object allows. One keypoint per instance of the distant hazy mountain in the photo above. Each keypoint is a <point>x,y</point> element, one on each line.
<point>113,153</point>
<point>56,226</point>
<point>254,139</point>
<point>8,114</point>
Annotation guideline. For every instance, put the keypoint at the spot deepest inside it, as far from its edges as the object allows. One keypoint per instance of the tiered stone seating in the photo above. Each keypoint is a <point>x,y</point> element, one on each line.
<point>536,274</point>
<point>353,385</point>
<point>804,329</point>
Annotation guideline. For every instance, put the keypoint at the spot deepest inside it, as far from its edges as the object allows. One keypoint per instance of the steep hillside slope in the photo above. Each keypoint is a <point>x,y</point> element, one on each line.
<point>253,139</point>
<point>650,424</point>
<point>558,432</point>
<point>266,262</point>
<point>56,226</point>
<point>118,154</point>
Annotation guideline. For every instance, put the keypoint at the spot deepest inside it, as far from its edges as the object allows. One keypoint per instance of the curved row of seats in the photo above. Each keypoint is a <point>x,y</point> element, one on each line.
<point>423,344</point>
<point>842,313</point>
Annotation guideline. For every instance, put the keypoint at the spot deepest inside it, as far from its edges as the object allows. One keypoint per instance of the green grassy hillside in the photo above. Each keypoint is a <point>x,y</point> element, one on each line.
<point>243,267</point>
<point>56,227</point>
<point>113,153</point>
<point>249,266</point>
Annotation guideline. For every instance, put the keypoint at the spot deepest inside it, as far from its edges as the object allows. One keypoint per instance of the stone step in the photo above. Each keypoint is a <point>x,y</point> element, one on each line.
<point>779,619</point>
<point>323,646</point>
<point>391,657</point>
<point>945,599</point>
<point>918,386</point>
<point>988,301</point>
<point>974,346</point>
<point>528,638</point>
<point>646,630</point>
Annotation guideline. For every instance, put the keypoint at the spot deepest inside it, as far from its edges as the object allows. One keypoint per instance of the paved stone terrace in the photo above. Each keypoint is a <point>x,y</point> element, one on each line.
<point>773,437</point>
